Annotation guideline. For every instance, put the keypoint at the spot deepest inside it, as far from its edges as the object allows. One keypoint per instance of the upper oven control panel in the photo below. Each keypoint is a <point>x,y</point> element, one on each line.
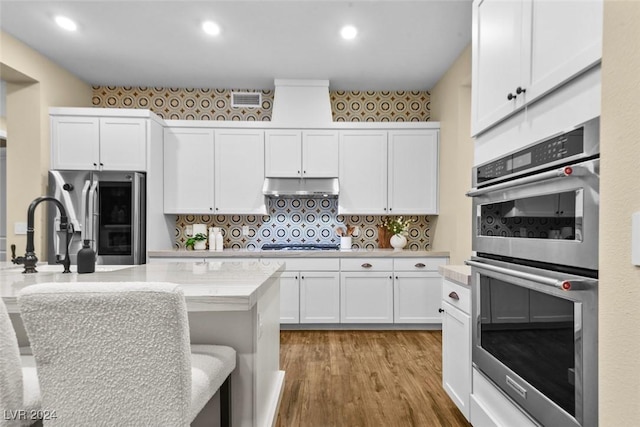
<point>575,144</point>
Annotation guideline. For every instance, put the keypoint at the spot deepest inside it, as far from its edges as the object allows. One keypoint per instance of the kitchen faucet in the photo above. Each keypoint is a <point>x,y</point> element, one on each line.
<point>29,260</point>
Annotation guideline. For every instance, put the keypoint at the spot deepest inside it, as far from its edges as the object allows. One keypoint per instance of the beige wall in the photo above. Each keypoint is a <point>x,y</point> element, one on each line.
<point>451,106</point>
<point>619,349</point>
<point>34,85</point>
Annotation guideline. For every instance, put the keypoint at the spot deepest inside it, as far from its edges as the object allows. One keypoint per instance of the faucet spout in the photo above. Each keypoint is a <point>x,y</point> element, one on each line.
<point>29,260</point>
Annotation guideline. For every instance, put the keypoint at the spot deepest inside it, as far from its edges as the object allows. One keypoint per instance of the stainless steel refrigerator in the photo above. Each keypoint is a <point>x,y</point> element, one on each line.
<point>106,208</point>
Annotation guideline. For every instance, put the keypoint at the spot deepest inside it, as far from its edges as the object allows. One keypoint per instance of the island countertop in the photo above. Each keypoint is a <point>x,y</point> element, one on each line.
<point>207,286</point>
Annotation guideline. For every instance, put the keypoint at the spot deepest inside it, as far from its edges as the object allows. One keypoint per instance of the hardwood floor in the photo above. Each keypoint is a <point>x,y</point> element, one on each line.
<point>364,378</point>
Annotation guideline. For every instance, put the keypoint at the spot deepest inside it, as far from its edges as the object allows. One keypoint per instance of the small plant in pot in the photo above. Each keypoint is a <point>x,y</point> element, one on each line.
<point>197,242</point>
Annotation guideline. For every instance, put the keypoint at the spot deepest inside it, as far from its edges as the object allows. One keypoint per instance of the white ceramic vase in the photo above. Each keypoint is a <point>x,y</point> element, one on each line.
<point>200,245</point>
<point>398,241</point>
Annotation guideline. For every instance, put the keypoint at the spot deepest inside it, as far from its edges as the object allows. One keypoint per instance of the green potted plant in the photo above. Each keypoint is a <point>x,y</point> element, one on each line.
<point>197,242</point>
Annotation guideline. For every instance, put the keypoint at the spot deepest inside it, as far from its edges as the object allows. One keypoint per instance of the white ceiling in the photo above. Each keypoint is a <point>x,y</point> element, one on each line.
<point>401,45</point>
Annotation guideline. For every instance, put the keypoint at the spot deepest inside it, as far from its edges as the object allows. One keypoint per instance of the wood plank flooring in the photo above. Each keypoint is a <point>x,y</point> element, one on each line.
<point>364,378</point>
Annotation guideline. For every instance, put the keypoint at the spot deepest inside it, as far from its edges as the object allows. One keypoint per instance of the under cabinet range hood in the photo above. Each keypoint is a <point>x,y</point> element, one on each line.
<point>301,103</point>
<point>301,187</point>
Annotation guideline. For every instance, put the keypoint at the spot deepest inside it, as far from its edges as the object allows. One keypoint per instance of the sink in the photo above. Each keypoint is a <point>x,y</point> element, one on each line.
<point>48,268</point>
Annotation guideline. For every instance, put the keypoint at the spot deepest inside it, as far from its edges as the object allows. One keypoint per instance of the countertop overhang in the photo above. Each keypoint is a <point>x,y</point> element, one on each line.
<point>207,286</point>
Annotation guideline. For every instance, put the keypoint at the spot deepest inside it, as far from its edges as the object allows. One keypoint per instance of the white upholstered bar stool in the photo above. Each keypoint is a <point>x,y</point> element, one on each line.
<point>118,354</point>
<point>19,388</point>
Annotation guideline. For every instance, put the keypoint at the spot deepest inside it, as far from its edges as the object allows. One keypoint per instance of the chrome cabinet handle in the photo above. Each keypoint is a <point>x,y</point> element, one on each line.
<point>366,265</point>
<point>420,265</point>
<point>454,295</point>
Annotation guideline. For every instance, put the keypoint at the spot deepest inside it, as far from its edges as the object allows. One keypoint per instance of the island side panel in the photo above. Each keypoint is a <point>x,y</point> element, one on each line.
<point>269,378</point>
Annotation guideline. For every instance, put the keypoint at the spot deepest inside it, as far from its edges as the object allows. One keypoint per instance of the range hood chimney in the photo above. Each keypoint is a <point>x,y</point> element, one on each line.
<point>301,103</point>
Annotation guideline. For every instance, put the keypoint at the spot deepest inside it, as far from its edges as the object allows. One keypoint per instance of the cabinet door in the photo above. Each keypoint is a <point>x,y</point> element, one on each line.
<point>75,143</point>
<point>366,297</point>
<point>283,153</point>
<point>413,172</point>
<point>456,356</point>
<point>239,171</point>
<point>320,151</point>
<point>417,297</point>
<point>498,61</point>
<point>319,297</point>
<point>363,172</point>
<point>123,144</point>
<point>188,171</point>
<point>289,297</point>
<point>566,39</point>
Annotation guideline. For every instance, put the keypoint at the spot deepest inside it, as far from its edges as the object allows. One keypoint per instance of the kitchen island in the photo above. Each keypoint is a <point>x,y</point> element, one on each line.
<point>229,303</point>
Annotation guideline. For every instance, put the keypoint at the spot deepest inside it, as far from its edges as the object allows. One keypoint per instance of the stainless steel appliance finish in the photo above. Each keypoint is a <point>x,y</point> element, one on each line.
<point>541,203</point>
<point>107,208</point>
<point>535,335</point>
<point>301,187</point>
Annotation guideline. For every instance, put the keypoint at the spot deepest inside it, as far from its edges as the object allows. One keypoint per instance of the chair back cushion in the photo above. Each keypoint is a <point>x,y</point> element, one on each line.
<point>10,368</point>
<point>110,353</point>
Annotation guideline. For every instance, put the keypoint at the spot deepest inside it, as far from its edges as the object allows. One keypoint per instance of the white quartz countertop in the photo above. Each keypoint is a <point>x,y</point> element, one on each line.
<point>258,253</point>
<point>456,273</point>
<point>208,286</point>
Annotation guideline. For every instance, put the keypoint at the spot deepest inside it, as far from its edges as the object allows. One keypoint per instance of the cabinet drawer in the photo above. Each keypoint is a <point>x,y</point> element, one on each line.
<point>451,290</point>
<point>366,264</point>
<point>418,264</point>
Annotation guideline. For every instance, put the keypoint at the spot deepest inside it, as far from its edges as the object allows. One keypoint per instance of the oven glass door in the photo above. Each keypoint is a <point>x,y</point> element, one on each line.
<point>534,335</point>
<point>558,215</point>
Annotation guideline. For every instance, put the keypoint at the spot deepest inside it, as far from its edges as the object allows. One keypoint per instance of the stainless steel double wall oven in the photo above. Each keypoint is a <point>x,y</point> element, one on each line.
<point>535,310</point>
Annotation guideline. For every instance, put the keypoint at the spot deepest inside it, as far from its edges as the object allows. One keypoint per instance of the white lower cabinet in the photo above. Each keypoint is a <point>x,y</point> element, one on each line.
<point>417,297</point>
<point>290,297</point>
<point>366,297</point>
<point>319,297</point>
<point>456,344</point>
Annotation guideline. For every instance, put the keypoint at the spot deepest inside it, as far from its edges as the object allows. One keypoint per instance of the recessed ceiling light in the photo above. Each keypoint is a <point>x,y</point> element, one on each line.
<point>211,28</point>
<point>66,23</point>
<point>349,32</point>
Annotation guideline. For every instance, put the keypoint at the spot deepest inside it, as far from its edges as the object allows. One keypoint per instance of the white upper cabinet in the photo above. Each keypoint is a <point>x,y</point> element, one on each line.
<point>363,172</point>
<point>301,154</point>
<point>394,172</point>
<point>98,143</point>
<point>524,49</point>
<point>239,171</point>
<point>188,171</point>
<point>413,172</point>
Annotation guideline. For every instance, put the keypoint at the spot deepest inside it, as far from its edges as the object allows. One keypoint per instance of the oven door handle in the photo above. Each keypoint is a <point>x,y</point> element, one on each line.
<point>565,285</point>
<point>565,171</point>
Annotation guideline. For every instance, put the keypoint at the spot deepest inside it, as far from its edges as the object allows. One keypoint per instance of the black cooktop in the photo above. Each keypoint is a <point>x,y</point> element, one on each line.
<point>299,247</point>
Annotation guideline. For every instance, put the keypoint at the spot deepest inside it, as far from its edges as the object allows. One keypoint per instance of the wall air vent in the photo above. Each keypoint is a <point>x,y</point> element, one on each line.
<point>246,99</point>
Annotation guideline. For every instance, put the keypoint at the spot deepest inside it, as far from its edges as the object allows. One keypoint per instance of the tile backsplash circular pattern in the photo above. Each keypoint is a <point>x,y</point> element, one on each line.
<point>299,221</point>
<point>289,220</point>
<point>215,104</point>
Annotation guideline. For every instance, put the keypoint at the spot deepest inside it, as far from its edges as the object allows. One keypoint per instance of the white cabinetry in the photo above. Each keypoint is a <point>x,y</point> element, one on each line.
<point>456,344</point>
<point>98,143</point>
<point>393,172</point>
<point>239,171</point>
<point>290,297</point>
<point>363,172</point>
<point>524,49</point>
<point>301,154</point>
<point>188,171</point>
<point>319,297</point>
<point>413,172</point>
<point>366,290</point>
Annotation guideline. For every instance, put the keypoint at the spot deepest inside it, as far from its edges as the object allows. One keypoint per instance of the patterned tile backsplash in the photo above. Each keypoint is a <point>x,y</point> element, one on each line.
<point>299,221</point>
<point>289,220</point>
